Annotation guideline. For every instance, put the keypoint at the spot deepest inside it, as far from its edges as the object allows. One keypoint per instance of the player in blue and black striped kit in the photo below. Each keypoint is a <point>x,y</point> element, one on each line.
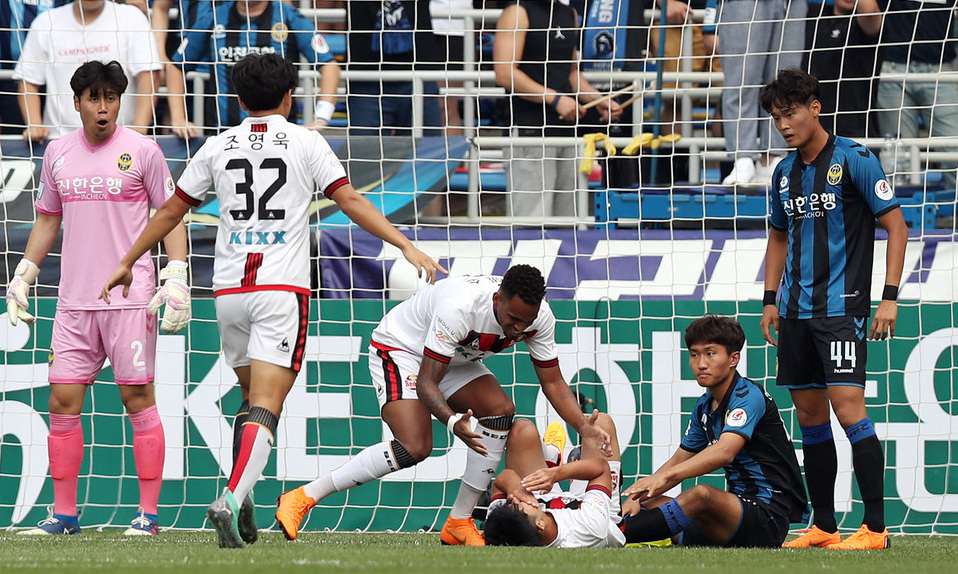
<point>824,198</point>
<point>735,425</point>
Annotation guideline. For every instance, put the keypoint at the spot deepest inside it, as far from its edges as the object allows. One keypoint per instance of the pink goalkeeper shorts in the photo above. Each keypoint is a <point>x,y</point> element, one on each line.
<point>83,339</point>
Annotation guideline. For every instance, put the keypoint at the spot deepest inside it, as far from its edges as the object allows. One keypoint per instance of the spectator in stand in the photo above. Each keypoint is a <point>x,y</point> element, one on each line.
<point>818,12</point>
<point>450,36</point>
<point>63,38</point>
<point>678,24</point>
<point>843,60</point>
<point>223,32</point>
<point>537,61</point>
<point>756,39</point>
<point>916,39</point>
<point>16,16</point>
<point>390,35</point>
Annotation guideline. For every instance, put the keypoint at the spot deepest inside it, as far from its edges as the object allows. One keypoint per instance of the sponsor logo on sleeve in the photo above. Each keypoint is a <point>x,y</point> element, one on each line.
<point>736,418</point>
<point>883,190</point>
<point>319,44</point>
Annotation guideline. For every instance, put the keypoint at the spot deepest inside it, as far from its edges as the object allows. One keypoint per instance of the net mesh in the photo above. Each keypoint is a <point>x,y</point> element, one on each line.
<point>454,153</point>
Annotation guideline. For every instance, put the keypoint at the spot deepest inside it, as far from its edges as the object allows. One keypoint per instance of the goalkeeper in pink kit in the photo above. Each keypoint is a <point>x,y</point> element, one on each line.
<point>100,182</point>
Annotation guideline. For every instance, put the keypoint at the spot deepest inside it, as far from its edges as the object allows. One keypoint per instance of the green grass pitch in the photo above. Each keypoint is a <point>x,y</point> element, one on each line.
<point>106,552</point>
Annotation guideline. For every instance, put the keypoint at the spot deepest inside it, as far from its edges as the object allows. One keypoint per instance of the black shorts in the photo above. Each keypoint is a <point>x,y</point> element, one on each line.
<point>759,528</point>
<point>815,353</point>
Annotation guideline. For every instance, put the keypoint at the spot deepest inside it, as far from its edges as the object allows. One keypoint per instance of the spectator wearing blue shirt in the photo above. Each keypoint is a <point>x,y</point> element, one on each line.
<point>223,32</point>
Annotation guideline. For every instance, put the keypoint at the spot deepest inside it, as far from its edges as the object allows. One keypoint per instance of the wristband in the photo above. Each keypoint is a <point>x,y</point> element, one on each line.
<point>890,293</point>
<point>769,298</point>
<point>324,110</point>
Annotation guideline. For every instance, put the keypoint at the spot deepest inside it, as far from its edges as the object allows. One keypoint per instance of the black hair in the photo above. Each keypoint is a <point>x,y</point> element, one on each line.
<point>261,80</point>
<point>526,282</point>
<point>99,78</point>
<point>716,329</point>
<point>792,87</point>
<point>507,526</point>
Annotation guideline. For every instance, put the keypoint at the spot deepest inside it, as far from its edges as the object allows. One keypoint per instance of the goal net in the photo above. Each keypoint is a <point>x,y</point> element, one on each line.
<point>633,247</point>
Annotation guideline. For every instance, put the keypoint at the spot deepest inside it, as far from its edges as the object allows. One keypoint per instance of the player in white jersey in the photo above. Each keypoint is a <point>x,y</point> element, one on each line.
<point>265,171</point>
<point>425,359</point>
<point>529,509</point>
<point>100,183</point>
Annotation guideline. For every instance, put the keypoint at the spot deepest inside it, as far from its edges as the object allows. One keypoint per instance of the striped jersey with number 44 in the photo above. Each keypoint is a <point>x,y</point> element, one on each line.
<point>265,171</point>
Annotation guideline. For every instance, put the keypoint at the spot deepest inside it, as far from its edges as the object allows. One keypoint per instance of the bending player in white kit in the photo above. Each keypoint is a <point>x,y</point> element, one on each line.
<point>425,359</point>
<point>101,182</point>
<point>529,509</point>
<point>265,171</point>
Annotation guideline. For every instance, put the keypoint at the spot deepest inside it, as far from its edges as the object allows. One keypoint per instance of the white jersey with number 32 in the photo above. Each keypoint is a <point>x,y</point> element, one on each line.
<point>265,172</point>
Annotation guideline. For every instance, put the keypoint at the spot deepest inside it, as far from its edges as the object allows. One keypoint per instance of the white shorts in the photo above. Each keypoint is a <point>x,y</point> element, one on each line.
<point>394,374</point>
<point>268,326</point>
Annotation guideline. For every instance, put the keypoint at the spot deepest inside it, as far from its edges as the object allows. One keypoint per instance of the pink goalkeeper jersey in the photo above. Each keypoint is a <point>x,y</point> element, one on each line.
<point>104,194</point>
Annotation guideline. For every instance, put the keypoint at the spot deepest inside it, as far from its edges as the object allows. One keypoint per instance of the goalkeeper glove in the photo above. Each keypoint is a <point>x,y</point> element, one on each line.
<point>18,289</point>
<point>175,292</point>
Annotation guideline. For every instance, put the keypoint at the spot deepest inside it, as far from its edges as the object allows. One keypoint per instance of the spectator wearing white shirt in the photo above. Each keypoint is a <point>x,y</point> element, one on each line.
<point>60,40</point>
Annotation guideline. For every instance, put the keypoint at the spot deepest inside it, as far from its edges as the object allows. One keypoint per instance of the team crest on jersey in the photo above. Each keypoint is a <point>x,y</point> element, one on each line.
<point>736,418</point>
<point>124,162</point>
<point>279,32</point>
<point>783,184</point>
<point>219,32</point>
<point>834,176</point>
<point>883,190</point>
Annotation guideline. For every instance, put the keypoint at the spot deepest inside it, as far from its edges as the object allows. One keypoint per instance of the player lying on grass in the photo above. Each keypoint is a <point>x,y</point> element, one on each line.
<point>101,182</point>
<point>529,508</point>
<point>734,425</point>
<point>425,360</point>
<point>266,171</point>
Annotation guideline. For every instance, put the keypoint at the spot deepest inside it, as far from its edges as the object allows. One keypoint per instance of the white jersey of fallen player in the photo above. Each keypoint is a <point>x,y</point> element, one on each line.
<point>591,525</point>
<point>453,321</point>
<point>265,172</point>
<point>591,521</point>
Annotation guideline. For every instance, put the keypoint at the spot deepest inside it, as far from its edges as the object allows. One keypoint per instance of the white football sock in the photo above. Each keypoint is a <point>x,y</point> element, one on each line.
<point>480,470</point>
<point>372,462</point>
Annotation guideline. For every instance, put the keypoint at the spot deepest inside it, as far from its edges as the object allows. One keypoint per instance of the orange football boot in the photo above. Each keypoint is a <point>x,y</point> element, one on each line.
<point>864,539</point>
<point>291,509</point>
<point>814,537</point>
<point>461,531</point>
